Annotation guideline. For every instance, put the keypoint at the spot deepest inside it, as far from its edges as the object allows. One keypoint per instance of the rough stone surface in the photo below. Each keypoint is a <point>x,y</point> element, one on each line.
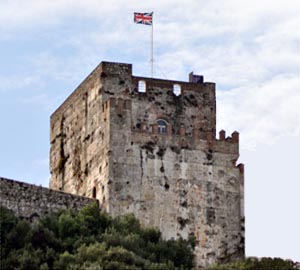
<point>30,201</point>
<point>106,143</point>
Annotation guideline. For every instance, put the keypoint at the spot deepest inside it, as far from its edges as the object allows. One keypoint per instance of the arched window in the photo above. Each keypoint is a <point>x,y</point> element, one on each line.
<point>94,192</point>
<point>142,86</point>
<point>161,126</point>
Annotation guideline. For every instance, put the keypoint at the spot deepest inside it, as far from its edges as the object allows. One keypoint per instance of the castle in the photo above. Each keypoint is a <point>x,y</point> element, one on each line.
<point>148,146</point>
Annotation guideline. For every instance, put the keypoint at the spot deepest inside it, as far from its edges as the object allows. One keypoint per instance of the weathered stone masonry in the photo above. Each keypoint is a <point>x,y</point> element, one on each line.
<point>30,201</point>
<point>149,146</point>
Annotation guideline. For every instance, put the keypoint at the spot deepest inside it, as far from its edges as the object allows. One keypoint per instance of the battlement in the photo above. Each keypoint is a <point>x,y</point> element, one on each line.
<point>120,70</point>
<point>107,75</point>
<point>145,84</point>
<point>196,138</point>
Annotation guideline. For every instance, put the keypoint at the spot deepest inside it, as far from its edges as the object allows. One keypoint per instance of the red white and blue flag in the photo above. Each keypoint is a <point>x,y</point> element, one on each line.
<point>143,18</point>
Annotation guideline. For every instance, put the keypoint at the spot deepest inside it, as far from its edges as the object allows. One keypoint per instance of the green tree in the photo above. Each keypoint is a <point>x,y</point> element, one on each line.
<point>92,221</point>
<point>254,264</point>
<point>19,236</point>
<point>89,239</point>
<point>7,221</point>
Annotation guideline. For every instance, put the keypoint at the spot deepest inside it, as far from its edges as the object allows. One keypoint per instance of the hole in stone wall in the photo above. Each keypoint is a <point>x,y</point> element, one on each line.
<point>86,170</point>
<point>167,186</point>
<point>103,75</point>
<point>184,204</point>
<point>161,152</point>
<point>209,156</point>
<point>175,149</point>
<point>149,146</point>
<point>182,222</point>
<point>210,215</point>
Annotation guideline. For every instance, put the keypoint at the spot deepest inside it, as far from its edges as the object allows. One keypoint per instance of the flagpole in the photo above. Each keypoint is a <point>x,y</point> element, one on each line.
<point>151,53</point>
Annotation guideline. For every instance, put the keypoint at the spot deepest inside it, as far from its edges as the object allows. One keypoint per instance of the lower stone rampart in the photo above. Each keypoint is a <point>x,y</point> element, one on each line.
<point>31,201</point>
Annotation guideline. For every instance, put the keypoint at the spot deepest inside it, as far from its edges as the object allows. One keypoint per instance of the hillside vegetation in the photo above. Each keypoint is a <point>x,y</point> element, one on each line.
<point>258,264</point>
<point>92,240</point>
<point>89,239</point>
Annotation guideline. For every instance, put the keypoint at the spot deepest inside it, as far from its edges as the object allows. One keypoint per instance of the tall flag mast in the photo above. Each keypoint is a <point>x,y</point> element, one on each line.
<point>146,19</point>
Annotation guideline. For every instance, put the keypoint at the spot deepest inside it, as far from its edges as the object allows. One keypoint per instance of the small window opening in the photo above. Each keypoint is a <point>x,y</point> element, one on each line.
<point>94,192</point>
<point>176,89</point>
<point>161,126</point>
<point>142,87</point>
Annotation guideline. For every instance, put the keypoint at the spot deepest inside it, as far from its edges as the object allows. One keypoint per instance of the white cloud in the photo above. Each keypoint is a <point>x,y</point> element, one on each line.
<point>262,113</point>
<point>246,47</point>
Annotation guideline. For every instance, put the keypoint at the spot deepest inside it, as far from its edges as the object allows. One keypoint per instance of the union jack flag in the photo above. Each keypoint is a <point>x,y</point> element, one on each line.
<point>143,18</point>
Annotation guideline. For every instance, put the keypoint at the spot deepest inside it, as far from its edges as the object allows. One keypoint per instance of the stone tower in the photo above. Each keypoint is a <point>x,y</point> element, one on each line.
<point>149,147</point>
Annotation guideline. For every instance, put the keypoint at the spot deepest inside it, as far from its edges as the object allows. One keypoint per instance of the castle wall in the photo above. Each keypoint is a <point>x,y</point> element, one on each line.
<point>80,134</point>
<point>79,141</point>
<point>106,143</point>
<point>178,183</point>
<point>30,201</point>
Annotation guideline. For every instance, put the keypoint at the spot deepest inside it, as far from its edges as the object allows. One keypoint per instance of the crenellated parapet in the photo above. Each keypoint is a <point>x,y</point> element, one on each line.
<point>148,130</point>
<point>229,144</point>
<point>146,85</point>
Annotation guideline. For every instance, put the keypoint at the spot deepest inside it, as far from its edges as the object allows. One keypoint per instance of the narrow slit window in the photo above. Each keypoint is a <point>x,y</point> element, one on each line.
<point>142,86</point>
<point>176,89</point>
<point>94,192</point>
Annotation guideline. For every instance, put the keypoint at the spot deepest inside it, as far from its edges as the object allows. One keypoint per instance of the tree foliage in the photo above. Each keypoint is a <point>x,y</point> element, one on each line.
<point>89,239</point>
<point>258,264</point>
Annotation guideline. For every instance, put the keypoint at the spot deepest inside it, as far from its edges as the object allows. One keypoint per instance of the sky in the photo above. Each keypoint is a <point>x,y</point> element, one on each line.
<point>250,49</point>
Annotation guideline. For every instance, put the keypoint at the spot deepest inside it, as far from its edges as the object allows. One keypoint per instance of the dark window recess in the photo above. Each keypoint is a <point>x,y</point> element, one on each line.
<point>94,192</point>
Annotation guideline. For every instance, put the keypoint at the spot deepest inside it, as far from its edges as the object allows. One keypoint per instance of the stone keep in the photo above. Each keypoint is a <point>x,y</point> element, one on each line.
<point>148,146</point>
